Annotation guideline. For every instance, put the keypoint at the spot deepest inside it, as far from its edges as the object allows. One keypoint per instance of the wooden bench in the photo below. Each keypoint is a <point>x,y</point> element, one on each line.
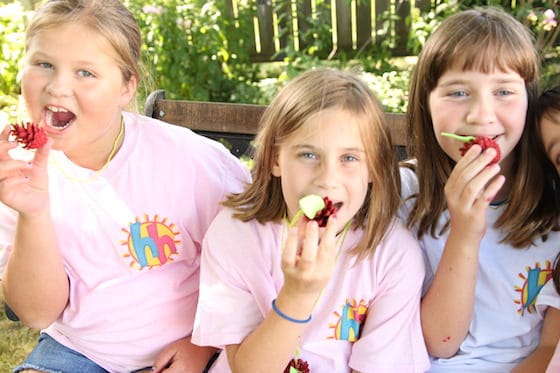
<point>236,124</point>
<point>233,124</point>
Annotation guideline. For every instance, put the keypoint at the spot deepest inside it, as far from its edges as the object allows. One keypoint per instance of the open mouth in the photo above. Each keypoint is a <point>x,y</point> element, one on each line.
<point>59,118</point>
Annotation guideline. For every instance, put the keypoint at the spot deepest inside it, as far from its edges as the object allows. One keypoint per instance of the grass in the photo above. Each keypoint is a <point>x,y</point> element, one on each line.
<point>16,340</point>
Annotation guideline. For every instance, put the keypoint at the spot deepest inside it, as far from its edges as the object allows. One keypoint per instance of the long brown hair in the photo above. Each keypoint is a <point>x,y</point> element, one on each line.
<point>548,105</point>
<point>308,94</point>
<point>480,39</point>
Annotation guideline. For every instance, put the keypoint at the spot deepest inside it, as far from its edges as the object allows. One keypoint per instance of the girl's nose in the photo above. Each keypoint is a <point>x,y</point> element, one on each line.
<point>59,86</point>
<point>328,174</point>
<point>481,111</point>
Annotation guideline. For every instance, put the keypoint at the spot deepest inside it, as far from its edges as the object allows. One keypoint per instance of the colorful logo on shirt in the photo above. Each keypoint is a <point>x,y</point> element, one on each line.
<point>151,243</point>
<point>533,282</point>
<point>348,326</point>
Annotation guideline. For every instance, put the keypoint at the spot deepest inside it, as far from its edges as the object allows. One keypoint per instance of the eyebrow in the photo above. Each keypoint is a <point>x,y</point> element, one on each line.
<point>455,81</point>
<point>40,55</point>
<point>348,149</point>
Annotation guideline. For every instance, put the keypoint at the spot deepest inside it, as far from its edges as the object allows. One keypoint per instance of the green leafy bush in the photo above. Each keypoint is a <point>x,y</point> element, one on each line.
<point>541,17</point>
<point>187,50</point>
<point>13,19</point>
<point>195,51</point>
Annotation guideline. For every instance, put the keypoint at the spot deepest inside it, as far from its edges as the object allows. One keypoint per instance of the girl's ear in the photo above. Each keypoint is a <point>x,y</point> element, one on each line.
<point>276,169</point>
<point>128,91</point>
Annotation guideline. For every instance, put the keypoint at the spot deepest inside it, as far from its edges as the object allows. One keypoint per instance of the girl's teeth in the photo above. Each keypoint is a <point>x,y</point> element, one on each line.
<point>57,109</point>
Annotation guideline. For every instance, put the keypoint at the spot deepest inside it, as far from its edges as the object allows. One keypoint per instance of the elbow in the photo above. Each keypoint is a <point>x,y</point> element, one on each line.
<point>441,351</point>
<point>36,324</point>
<point>36,320</point>
<point>33,317</point>
<point>36,312</point>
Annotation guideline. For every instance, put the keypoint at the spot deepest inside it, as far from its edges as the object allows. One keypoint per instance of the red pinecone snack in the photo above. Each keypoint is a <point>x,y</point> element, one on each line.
<point>299,365</point>
<point>323,215</point>
<point>30,135</point>
<point>484,142</point>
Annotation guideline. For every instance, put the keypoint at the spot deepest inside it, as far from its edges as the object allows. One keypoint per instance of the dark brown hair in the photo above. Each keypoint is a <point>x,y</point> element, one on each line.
<point>548,105</point>
<point>481,39</point>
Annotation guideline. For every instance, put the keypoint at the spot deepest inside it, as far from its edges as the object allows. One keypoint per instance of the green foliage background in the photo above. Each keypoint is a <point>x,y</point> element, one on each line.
<point>194,51</point>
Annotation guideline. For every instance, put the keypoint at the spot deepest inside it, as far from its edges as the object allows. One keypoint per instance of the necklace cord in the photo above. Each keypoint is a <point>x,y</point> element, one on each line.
<point>96,174</point>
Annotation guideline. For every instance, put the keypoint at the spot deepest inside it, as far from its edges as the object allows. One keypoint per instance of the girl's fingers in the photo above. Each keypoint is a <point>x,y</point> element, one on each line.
<point>471,175</point>
<point>5,144</point>
<point>310,245</point>
<point>476,186</point>
<point>327,246</point>
<point>13,183</point>
<point>307,253</point>
<point>12,168</point>
<point>42,154</point>
<point>4,135</point>
<point>291,248</point>
<point>491,190</point>
<point>473,162</point>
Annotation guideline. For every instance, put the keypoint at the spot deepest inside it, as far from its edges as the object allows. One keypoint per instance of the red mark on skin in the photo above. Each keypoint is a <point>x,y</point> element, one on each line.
<point>446,339</point>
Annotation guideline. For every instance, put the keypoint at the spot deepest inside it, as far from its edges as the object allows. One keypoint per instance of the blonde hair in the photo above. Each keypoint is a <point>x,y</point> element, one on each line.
<point>308,94</point>
<point>480,39</point>
<point>108,18</point>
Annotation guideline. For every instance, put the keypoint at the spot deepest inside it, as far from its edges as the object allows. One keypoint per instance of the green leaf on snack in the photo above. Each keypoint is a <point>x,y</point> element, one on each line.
<point>458,137</point>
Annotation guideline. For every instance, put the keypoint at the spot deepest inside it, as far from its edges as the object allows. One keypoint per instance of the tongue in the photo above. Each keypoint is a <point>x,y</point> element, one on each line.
<point>60,119</point>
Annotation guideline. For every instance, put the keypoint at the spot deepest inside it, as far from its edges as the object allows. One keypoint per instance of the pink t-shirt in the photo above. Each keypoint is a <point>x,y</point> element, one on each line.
<point>376,300</point>
<point>131,240</point>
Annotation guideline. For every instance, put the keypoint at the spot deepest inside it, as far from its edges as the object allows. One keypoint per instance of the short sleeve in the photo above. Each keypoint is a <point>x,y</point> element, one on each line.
<point>548,297</point>
<point>236,285</point>
<point>392,339</point>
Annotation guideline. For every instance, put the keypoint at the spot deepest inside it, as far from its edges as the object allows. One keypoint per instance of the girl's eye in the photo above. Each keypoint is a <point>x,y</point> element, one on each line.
<point>349,158</point>
<point>85,73</point>
<point>45,65</point>
<point>459,94</point>
<point>504,92</point>
<point>308,155</point>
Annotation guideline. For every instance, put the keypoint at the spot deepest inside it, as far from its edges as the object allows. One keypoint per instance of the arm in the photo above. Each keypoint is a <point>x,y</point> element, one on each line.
<point>35,284</point>
<point>273,343</point>
<point>447,306</point>
<point>539,359</point>
<point>183,356</point>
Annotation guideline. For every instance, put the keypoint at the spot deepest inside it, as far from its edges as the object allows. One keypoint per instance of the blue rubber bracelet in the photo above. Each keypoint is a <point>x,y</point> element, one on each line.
<point>286,317</point>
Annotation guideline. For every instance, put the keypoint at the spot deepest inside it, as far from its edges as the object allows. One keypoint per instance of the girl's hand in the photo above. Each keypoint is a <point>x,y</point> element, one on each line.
<point>469,190</point>
<point>308,258</point>
<point>23,185</point>
<point>182,357</point>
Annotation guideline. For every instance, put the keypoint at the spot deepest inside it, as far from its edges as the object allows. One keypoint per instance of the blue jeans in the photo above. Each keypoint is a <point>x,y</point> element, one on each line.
<point>49,356</point>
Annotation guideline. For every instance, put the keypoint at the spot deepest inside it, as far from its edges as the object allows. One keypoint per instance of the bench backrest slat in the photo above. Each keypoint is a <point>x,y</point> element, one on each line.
<point>233,121</point>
